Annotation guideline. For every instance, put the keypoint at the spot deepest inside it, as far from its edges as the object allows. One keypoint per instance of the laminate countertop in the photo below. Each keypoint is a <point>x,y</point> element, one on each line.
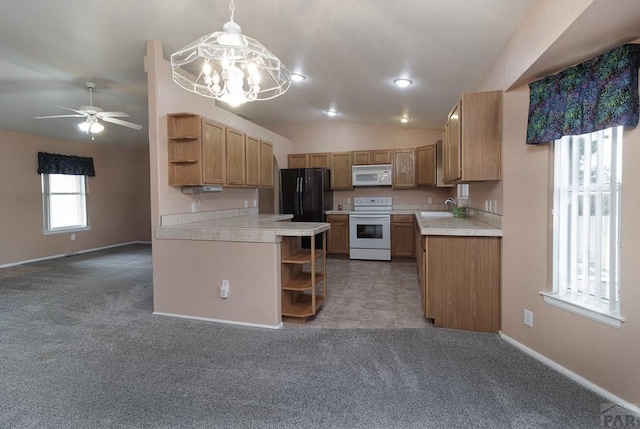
<point>467,226</point>
<point>254,228</point>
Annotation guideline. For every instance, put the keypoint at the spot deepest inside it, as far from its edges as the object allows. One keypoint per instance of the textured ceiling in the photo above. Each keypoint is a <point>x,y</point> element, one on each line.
<point>350,50</point>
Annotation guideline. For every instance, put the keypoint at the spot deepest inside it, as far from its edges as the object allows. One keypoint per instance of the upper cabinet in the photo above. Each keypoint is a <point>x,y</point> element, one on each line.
<point>236,157</point>
<point>341,177</point>
<point>471,138</point>
<point>298,160</point>
<point>368,157</point>
<point>252,153</point>
<point>426,165</point>
<point>404,169</point>
<point>266,164</point>
<point>320,160</point>
<point>206,152</point>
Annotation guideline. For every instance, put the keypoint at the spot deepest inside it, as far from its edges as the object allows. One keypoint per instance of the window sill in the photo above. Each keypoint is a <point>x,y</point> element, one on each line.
<point>66,230</point>
<point>607,318</point>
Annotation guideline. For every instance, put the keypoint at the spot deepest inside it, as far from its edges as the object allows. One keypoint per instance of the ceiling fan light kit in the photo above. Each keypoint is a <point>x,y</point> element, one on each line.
<point>230,67</point>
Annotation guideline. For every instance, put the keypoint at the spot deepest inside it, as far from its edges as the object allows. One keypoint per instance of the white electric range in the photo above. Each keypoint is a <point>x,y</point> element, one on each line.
<point>370,229</point>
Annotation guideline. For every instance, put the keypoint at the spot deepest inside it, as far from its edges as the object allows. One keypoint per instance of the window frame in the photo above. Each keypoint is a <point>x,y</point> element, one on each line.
<point>46,206</point>
<point>563,297</point>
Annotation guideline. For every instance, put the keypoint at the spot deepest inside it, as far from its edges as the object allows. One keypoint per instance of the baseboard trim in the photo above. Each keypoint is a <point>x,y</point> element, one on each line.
<point>226,322</point>
<point>572,375</point>
<point>64,255</point>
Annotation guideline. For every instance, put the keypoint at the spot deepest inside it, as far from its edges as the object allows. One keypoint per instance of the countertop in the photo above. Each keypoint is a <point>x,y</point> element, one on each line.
<point>256,228</point>
<point>443,225</point>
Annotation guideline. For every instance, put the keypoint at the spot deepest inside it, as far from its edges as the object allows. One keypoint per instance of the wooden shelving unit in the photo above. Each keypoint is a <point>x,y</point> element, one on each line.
<point>301,276</point>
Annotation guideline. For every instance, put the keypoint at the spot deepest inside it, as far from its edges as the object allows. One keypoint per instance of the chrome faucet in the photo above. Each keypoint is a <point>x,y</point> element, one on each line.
<point>451,202</point>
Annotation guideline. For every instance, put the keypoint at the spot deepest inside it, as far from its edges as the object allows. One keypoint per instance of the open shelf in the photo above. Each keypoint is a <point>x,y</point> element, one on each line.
<point>303,256</point>
<point>302,281</point>
<point>301,306</point>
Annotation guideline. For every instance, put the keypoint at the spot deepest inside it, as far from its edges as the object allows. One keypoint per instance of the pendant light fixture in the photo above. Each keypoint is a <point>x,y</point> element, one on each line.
<point>230,67</point>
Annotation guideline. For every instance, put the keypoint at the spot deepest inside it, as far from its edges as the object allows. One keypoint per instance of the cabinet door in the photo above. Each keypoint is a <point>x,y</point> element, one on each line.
<point>266,164</point>
<point>426,161</point>
<point>235,158</point>
<point>320,160</point>
<point>213,152</point>
<point>341,176</point>
<point>404,175</point>
<point>362,157</point>
<point>252,147</point>
<point>338,235</point>
<point>381,156</point>
<point>298,160</point>
<point>452,146</point>
<point>402,236</point>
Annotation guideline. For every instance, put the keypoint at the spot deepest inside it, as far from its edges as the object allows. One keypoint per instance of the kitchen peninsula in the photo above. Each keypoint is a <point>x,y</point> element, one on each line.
<point>255,253</point>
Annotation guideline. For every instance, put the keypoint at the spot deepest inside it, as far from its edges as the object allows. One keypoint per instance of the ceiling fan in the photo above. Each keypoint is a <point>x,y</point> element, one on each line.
<point>93,115</point>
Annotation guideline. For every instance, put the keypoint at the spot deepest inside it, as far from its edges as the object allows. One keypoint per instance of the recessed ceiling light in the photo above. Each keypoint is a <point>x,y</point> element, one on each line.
<point>297,77</point>
<point>331,112</point>
<point>403,82</point>
<point>404,119</point>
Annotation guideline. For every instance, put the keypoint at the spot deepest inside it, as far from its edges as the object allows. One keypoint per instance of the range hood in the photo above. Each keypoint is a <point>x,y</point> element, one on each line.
<point>200,189</point>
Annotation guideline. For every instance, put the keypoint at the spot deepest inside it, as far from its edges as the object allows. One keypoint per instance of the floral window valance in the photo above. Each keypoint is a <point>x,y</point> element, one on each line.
<point>595,95</point>
<point>53,163</point>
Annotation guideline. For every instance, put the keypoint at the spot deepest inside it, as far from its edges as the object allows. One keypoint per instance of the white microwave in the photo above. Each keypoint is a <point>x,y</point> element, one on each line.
<point>371,175</point>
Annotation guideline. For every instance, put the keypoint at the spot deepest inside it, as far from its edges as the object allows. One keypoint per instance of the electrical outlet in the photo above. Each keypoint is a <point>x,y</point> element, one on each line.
<point>255,203</point>
<point>528,317</point>
<point>246,204</point>
<point>429,200</point>
<point>73,237</point>
<point>194,207</point>
<point>495,206</point>
<point>224,289</point>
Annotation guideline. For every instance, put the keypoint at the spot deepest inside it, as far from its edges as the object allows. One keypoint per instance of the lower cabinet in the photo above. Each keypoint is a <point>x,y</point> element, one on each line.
<point>338,235</point>
<point>460,281</point>
<point>301,294</point>
<point>402,236</point>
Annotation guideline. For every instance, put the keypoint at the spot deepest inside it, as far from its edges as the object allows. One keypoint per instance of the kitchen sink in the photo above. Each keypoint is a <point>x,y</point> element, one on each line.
<point>436,214</point>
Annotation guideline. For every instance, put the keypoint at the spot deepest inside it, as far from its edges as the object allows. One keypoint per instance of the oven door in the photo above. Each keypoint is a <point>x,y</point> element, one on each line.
<point>370,231</point>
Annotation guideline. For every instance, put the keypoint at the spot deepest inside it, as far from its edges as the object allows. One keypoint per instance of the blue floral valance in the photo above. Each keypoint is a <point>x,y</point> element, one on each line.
<point>53,163</point>
<point>597,94</point>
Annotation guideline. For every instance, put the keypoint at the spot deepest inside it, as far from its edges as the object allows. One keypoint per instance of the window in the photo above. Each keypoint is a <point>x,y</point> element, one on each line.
<point>64,200</point>
<point>586,224</point>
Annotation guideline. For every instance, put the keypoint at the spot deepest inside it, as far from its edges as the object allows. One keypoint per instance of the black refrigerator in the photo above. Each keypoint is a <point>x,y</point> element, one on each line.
<point>306,194</point>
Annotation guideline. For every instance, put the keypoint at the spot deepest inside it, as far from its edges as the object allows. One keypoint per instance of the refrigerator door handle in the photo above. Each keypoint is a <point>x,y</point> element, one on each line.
<point>300,198</point>
<point>296,208</point>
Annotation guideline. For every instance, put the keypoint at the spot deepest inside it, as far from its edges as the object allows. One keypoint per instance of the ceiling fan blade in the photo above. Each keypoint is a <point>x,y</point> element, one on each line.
<point>59,116</point>
<point>123,123</point>
<point>112,115</point>
<point>80,112</point>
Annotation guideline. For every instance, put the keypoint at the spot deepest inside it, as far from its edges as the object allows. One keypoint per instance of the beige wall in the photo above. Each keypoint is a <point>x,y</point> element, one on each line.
<point>605,356</point>
<point>118,198</point>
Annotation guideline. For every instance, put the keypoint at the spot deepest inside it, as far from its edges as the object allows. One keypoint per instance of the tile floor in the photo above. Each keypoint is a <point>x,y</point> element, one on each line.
<point>369,294</point>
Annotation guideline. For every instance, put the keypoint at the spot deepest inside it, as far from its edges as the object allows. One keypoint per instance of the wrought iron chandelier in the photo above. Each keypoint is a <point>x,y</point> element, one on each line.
<point>230,67</point>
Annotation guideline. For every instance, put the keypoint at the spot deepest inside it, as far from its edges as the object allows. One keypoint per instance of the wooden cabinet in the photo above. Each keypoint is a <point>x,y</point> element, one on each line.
<point>235,157</point>
<point>298,160</point>
<point>320,160</point>
<point>402,236</point>
<point>213,153</point>
<point>341,177</point>
<point>338,235</point>
<point>460,281</point>
<point>404,174</point>
<point>472,138</point>
<point>426,165</point>
<point>368,157</point>
<point>252,151</point>
<point>266,164</point>
<point>301,297</point>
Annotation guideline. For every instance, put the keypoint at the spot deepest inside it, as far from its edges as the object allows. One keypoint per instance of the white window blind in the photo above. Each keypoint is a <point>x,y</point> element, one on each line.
<point>587,183</point>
